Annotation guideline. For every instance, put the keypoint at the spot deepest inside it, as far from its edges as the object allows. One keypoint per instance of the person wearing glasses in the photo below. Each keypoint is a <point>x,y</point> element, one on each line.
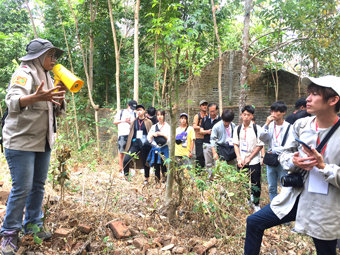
<point>29,134</point>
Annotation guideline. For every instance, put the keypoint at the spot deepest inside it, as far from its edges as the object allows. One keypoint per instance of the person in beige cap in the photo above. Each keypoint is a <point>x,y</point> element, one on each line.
<point>200,162</point>
<point>29,134</point>
<point>311,193</point>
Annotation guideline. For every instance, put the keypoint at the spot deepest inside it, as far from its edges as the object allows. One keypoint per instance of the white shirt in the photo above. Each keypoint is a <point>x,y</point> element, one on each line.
<point>165,129</point>
<point>124,127</point>
<point>247,142</point>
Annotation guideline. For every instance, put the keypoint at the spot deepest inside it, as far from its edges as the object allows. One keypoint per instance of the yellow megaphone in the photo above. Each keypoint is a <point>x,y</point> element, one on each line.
<point>72,82</point>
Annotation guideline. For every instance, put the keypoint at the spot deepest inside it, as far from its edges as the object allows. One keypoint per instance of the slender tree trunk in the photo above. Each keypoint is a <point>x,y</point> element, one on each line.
<point>156,82</point>
<point>117,54</point>
<point>93,12</point>
<point>70,59</point>
<point>86,69</point>
<point>220,60</point>
<point>276,81</point>
<point>243,76</point>
<point>174,79</point>
<point>136,54</point>
<point>106,89</point>
<point>164,82</point>
<point>32,20</point>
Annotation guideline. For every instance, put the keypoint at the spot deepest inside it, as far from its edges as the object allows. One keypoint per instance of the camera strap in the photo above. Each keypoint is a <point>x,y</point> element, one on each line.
<point>285,136</point>
<point>329,134</point>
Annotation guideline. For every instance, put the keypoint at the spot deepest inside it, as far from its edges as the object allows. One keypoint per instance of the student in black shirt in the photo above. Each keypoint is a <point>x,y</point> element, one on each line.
<point>137,142</point>
<point>206,126</point>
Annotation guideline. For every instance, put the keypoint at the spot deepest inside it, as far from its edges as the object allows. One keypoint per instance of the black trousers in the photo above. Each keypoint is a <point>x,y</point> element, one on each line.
<point>158,168</point>
<point>255,179</point>
<point>258,222</point>
<point>199,153</point>
<point>143,153</point>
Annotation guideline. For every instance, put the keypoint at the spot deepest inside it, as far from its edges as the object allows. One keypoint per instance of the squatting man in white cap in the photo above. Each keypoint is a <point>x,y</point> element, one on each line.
<point>311,192</point>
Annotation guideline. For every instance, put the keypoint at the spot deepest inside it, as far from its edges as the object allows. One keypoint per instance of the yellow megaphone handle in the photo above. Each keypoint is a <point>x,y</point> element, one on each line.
<point>56,81</point>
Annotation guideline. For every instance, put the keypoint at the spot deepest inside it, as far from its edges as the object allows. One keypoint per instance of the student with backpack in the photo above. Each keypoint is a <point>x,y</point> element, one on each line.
<point>137,143</point>
<point>200,162</point>
<point>206,127</point>
<point>311,192</point>
<point>221,138</point>
<point>123,120</point>
<point>247,148</point>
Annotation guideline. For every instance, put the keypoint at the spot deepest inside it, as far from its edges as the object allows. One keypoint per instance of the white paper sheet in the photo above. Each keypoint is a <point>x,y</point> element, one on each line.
<point>317,183</point>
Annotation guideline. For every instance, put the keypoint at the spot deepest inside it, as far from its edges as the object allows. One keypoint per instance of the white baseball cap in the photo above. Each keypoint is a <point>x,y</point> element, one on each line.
<point>329,81</point>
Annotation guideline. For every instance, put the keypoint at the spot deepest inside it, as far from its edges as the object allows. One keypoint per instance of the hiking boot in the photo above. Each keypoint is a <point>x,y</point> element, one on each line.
<point>9,243</point>
<point>43,234</point>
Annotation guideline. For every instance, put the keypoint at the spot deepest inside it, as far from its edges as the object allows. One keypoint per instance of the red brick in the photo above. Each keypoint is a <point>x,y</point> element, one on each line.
<point>85,228</point>
<point>62,232</point>
<point>139,243</point>
<point>119,229</point>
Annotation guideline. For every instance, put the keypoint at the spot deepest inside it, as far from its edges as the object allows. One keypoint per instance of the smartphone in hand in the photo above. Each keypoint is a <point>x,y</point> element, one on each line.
<point>303,143</point>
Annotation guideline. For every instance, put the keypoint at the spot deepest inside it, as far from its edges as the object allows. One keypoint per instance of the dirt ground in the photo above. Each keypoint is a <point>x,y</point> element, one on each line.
<point>95,195</point>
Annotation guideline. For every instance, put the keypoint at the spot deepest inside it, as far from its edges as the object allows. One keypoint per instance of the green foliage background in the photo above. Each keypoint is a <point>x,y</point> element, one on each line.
<point>178,27</point>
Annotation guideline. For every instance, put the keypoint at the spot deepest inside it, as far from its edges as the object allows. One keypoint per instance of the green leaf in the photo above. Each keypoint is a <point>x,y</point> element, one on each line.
<point>37,240</point>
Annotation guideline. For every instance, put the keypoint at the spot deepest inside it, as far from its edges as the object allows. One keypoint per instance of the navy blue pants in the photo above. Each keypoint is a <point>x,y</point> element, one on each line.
<point>266,218</point>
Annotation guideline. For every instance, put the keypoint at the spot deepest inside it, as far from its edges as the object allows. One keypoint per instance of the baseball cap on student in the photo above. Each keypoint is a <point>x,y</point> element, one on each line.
<point>132,104</point>
<point>203,102</point>
<point>329,81</point>
<point>140,106</point>
<point>183,114</point>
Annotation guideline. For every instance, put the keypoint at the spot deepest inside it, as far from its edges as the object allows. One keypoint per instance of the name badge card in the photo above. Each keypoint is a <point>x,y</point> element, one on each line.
<point>230,141</point>
<point>276,144</point>
<point>244,146</point>
<point>139,134</point>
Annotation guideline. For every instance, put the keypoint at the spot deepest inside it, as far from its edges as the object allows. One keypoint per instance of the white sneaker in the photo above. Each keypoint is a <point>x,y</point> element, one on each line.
<point>121,174</point>
<point>132,172</point>
<point>257,208</point>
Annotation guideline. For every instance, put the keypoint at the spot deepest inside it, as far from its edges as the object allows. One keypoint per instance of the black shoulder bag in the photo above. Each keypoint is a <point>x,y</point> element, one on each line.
<point>295,180</point>
<point>225,151</point>
<point>271,159</point>
<point>160,140</point>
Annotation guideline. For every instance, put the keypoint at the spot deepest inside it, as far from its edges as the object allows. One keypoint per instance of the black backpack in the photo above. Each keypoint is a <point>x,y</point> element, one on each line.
<point>3,118</point>
<point>239,130</point>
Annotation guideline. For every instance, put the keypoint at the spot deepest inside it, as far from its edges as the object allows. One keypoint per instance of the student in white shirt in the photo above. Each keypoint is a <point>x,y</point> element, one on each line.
<point>123,119</point>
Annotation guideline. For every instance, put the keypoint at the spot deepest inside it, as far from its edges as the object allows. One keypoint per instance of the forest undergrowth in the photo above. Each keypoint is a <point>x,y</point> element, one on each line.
<point>94,195</point>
